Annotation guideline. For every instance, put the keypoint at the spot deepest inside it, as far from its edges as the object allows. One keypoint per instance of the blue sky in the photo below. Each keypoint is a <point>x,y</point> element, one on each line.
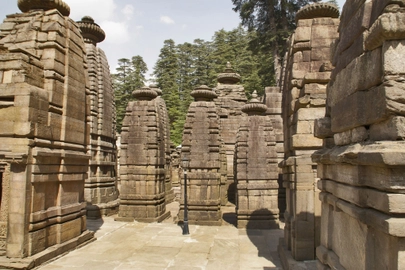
<point>139,27</point>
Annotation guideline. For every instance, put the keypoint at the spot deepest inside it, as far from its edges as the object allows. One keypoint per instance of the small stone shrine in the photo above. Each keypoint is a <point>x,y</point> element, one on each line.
<point>305,77</point>
<point>363,174</point>
<point>143,160</point>
<point>231,98</point>
<point>43,135</point>
<point>202,145</point>
<point>164,121</point>
<point>100,188</point>
<point>256,170</point>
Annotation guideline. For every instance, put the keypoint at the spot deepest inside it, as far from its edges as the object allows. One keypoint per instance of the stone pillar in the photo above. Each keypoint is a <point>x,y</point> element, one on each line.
<point>256,170</point>
<point>307,73</point>
<point>100,188</point>
<point>164,121</point>
<point>142,163</point>
<point>273,100</point>
<point>231,98</point>
<point>43,133</point>
<point>202,145</point>
<point>363,176</point>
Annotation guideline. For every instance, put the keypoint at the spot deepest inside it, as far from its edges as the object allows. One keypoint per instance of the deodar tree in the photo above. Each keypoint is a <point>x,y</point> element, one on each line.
<point>129,76</point>
<point>273,21</point>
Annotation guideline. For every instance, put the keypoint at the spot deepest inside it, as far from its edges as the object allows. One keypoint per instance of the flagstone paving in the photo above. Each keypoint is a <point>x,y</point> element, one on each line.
<point>151,246</point>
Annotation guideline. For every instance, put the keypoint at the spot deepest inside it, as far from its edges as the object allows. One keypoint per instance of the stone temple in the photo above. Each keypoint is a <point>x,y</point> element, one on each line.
<point>321,155</point>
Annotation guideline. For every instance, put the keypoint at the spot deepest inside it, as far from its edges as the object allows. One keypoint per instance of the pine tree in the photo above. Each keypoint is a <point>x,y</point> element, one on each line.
<point>166,71</point>
<point>274,21</point>
<point>129,76</point>
<point>122,89</point>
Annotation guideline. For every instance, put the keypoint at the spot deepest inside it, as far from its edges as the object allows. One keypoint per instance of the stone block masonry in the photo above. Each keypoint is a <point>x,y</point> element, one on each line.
<point>143,160</point>
<point>100,188</point>
<point>256,170</point>
<point>306,72</point>
<point>44,133</point>
<point>202,145</point>
<point>231,98</point>
<point>361,175</point>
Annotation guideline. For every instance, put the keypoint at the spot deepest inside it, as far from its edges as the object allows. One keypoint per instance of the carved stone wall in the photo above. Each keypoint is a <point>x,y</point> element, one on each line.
<point>363,175</point>
<point>231,98</point>
<point>306,75</point>
<point>143,160</point>
<point>100,188</point>
<point>43,132</point>
<point>256,170</point>
<point>202,145</point>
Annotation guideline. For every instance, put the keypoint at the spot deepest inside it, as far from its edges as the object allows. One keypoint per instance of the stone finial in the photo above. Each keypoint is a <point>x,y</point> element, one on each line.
<point>145,93</point>
<point>203,93</point>
<point>229,76</point>
<point>156,89</point>
<point>27,5</point>
<point>317,10</point>
<point>254,107</point>
<point>91,32</point>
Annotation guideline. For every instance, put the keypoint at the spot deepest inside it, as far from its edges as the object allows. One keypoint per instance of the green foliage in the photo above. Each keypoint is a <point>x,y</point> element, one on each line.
<point>182,67</point>
<point>130,75</point>
<point>272,22</point>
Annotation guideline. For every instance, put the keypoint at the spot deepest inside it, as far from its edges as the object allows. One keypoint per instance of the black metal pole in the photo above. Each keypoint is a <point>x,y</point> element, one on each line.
<point>185,224</point>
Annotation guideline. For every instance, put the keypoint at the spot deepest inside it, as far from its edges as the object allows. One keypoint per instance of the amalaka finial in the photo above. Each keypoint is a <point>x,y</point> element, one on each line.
<point>27,5</point>
<point>91,32</point>
<point>145,93</point>
<point>254,107</point>
<point>203,93</point>
<point>229,76</point>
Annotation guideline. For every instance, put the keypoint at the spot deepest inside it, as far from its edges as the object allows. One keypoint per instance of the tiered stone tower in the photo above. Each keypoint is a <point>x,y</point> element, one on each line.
<point>363,176</point>
<point>306,75</point>
<point>202,146</point>
<point>231,98</point>
<point>164,120</point>
<point>100,190</point>
<point>43,134</point>
<point>143,160</point>
<point>256,170</point>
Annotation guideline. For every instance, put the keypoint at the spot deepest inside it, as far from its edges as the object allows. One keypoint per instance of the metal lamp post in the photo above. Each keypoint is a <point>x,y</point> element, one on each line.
<point>185,162</point>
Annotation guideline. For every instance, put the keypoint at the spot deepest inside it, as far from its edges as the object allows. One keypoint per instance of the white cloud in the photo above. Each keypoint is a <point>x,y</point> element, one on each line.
<point>166,20</point>
<point>99,10</point>
<point>116,32</point>
<point>128,11</point>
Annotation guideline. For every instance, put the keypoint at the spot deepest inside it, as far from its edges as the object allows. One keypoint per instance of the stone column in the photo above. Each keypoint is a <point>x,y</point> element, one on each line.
<point>363,175</point>
<point>307,73</point>
<point>142,163</point>
<point>100,188</point>
<point>256,170</point>
<point>43,133</point>
<point>231,98</point>
<point>202,146</point>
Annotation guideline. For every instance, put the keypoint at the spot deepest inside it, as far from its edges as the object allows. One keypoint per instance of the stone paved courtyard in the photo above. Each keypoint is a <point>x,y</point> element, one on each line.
<point>135,245</point>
